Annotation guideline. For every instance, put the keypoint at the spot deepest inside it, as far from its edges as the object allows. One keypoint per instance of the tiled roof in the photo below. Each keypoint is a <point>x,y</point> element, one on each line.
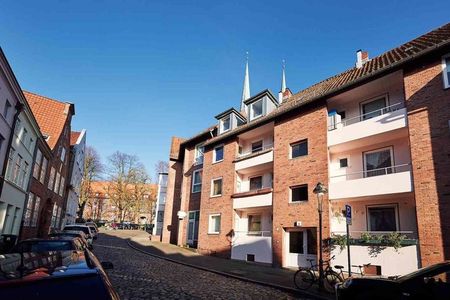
<point>50,114</point>
<point>391,59</point>
<point>74,137</point>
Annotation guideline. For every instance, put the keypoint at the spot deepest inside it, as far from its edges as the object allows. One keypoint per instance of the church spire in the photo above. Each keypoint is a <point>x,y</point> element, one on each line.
<point>284,92</point>
<point>246,88</point>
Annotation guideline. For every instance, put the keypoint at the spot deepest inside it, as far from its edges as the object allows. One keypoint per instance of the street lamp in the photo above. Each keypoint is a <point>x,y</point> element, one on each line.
<point>320,190</point>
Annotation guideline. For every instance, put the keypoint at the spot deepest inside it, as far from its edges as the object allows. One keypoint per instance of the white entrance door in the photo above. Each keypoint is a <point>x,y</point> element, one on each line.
<point>301,245</point>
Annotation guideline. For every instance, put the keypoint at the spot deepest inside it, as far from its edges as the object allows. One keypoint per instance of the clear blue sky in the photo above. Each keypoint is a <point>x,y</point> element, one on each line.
<point>140,72</point>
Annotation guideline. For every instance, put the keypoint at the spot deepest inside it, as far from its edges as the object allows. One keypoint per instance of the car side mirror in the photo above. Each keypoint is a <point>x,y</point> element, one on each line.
<point>107,265</point>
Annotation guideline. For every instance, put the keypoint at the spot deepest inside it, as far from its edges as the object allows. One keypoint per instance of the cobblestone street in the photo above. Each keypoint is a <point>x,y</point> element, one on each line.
<point>139,276</point>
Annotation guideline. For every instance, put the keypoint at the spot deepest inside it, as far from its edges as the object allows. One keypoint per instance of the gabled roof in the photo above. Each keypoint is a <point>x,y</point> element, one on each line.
<point>261,94</point>
<point>382,64</point>
<point>50,114</point>
<point>74,135</point>
<point>229,111</point>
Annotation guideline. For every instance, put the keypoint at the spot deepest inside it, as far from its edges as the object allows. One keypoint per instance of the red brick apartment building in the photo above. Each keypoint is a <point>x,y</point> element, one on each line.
<point>376,135</point>
<point>48,192</point>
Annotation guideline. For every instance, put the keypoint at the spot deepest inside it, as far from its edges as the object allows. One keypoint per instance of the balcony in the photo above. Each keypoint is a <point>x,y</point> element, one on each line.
<point>247,161</point>
<point>257,244</point>
<point>390,180</point>
<point>373,124</point>
<point>257,198</point>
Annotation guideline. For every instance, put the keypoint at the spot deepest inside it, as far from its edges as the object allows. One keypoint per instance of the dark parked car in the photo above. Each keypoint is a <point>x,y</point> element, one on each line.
<point>60,243</point>
<point>430,283</point>
<point>54,275</point>
<point>68,233</point>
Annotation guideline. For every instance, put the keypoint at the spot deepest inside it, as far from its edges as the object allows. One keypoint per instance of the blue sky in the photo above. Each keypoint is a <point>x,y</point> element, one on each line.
<point>140,72</point>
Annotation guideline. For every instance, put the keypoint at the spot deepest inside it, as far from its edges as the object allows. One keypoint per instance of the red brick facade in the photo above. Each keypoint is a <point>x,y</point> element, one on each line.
<point>428,106</point>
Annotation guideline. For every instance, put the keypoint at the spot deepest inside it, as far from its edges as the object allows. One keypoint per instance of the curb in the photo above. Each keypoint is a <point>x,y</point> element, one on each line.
<point>272,285</point>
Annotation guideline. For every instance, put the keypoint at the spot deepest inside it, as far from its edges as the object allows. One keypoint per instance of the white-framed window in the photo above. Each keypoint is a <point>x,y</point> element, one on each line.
<point>29,210</point>
<point>16,171</point>
<point>299,148</point>
<point>256,109</point>
<point>214,224</point>
<point>446,70</point>
<point>6,109</point>
<point>61,186</point>
<point>256,183</point>
<point>216,187</point>
<point>63,154</point>
<point>197,181</point>
<point>37,164</point>
<point>37,203</point>
<point>225,124</point>
<point>382,218</point>
<point>43,169</point>
<point>373,107</point>
<point>343,162</point>
<point>257,146</point>
<point>378,162</point>
<point>23,178</point>
<point>57,182</point>
<point>199,152</point>
<point>299,193</point>
<point>51,180</point>
<point>218,153</point>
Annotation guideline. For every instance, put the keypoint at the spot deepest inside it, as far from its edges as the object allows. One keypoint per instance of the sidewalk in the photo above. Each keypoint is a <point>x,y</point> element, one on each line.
<point>266,275</point>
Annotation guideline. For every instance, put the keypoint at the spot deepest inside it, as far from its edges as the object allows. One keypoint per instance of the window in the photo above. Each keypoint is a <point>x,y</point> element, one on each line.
<point>199,151</point>
<point>2,140</point>
<point>218,154</point>
<point>299,149</point>
<point>296,242</point>
<point>383,218</point>
<point>342,114</point>
<point>226,124</point>
<point>311,240</point>
<point>6,109</point>
<point>37,203</point>
<point>257,146</point>
<point>373,108</point>
<point>37,164</point>
<point>254,223</point>
<point>343,163</point>
<point>54,213</point>
<point>216,189</point>
<point>16,171</point>
<point>214,224</point>
<point>61,187</point>
<point>378,162</point>
<point>299,193</point>
<point>256,183</point>
<point>57,181</point>
<point>446,70</point>
<point>63,154</point>
<point>10,163</point>
<point>24,135</point>
<point>23,178</point>
<point>43,170</point>
<point>17,128</point>
<point>51,180</point>
<point>257,109</point>
<point>197,181</point>
<point>29,210</point>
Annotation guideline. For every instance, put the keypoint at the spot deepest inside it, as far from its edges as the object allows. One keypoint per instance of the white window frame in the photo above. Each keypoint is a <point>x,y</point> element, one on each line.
<point>348,162</point>
<point>196,184</point>
<point>198,159</point>
<point>222,129</point>
<point>252,111</point>
<point>296,186</point>
<point>391,149</point>
<point>392,205</point>
<point>445,70</point>
<point>255,176</point>
<point>212,187</point>
<point>214,153</point>
<point>211,225</point>
<point>298,143</point>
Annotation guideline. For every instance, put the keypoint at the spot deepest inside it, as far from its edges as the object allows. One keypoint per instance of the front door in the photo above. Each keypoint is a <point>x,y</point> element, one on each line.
<point>192,232</point>
<point>301,246</point>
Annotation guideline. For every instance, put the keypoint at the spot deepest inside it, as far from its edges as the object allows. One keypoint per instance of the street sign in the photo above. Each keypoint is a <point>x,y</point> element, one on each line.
<point>348,214</point>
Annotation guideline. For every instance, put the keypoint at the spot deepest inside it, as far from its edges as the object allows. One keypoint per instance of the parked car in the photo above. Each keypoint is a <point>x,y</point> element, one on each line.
<point>431,283</point>
<point>81,227</point>
<point>79,234</point>
<point>51,244</point>
<point>67,275</point>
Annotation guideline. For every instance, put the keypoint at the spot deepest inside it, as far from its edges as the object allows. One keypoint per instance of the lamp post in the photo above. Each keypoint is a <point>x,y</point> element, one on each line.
<point>320,190</point>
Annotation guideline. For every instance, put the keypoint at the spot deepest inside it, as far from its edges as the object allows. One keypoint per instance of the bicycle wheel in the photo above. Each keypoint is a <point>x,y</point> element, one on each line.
<point>304,279</point>
<point>331,278</point>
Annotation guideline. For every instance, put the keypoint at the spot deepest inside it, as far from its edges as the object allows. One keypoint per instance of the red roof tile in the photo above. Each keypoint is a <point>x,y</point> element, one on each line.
<point>50,114</point>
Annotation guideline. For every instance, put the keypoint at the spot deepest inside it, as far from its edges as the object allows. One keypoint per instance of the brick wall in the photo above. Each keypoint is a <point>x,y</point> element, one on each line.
<point>218,244</point>
<point>428,105</point>
<point>309,124</point>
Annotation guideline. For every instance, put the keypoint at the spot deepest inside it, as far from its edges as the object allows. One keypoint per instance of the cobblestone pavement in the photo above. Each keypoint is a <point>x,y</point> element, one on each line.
<point>139,276</point>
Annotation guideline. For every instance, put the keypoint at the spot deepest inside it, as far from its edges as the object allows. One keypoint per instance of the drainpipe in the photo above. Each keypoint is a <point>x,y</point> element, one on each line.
<point>19,107</point>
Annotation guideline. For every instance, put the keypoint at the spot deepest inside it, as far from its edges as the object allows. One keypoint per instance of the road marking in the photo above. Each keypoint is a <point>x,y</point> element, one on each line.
<point>112,247</point>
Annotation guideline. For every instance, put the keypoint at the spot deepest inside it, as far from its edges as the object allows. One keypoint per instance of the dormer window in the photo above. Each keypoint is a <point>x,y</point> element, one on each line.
<point>226,124</point>
<point>256,109</point>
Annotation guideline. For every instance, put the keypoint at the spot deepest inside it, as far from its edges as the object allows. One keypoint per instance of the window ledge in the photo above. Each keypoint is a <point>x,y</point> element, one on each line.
<point>213,233</point>
<point>215,196</point>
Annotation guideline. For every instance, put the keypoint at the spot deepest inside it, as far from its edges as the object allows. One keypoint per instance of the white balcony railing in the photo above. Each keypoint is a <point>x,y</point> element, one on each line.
<point>355,234</point>
<point>366,116</point>
<point>374,172</point>
<point>253,233</point>
<point>255,151</point>
<point>265,186</point>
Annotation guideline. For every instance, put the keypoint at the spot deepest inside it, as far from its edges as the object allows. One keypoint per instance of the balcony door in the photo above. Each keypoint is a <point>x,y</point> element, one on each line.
<point>378,162</point>
<point>192,230</point>
<point>373,108</point>
<point>301,246</point>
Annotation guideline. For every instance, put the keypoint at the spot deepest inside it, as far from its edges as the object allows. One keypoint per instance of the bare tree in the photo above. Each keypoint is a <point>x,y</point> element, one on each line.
<point>127,184</point>
<point>160,167</point>
<point>92,170</point>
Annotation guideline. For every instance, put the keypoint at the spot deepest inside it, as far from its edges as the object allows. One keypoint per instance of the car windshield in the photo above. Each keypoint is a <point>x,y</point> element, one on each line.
<point>422,272</point>
<point>44,246</point>
<point>79,228</point>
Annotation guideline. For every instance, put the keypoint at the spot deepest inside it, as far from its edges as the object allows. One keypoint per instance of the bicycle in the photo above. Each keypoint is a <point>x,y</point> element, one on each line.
<point>304,278</point>
<point>360,267</point>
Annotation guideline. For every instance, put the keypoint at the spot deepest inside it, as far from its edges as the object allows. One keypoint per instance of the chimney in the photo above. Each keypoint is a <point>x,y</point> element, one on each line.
<point>361,58</point>
<point>286,94</point>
